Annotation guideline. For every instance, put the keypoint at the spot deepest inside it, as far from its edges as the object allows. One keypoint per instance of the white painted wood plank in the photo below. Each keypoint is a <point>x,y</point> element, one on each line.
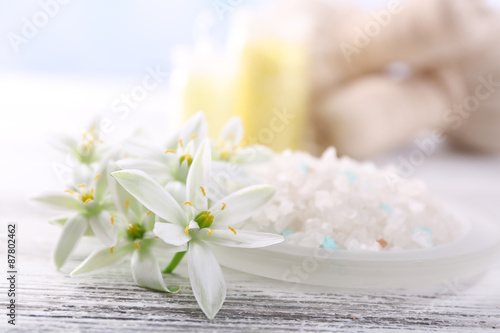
<point>51,301</point>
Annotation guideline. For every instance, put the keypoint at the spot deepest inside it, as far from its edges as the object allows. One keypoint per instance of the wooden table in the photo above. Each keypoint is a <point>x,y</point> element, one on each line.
<point>52,301</point>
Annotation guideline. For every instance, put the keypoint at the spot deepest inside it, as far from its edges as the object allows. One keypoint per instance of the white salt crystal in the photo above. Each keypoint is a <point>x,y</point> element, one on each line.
<point>352,203</point>
<point>323,200</point>
<point>272,213</point>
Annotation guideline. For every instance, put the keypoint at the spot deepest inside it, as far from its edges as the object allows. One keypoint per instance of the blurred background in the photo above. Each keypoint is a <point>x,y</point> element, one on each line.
<point>413,83</point>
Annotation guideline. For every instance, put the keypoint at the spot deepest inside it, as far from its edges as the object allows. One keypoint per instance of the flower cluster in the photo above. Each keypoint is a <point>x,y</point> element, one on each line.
<point>163,200</point>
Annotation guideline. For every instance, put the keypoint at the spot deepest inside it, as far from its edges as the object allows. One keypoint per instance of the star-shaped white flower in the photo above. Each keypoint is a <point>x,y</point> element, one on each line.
<point>231,160</point>
<point>228,147</point>
<point>88,150</point>
<point>172,163</point>
<point>139,242</point>
<point>196,224</point>
<point>87,205</point>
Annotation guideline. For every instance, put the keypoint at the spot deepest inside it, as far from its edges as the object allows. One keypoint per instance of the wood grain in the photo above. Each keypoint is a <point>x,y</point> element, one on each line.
<point>51,301</point>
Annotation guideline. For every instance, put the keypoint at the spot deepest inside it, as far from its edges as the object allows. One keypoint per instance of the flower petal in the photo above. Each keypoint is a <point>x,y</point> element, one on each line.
<point>104,230</point>
<point>232,131</point>
<point>73,231</point>
<point>83,173</point>
<point>146,271</point>
<point>101,182</point>
<point>142,147</point>
<point>206,278</point>
<point>151,194</point>
<point>177,190</point>
<point>153,168</point>
<point>252,154</point>
<point>242,238</point>
<point>195,129</point>
<point>102,260</point>
<point>199,176</point>
<point>159,246</point>
<point>241,204</point>
<point>123,200</point>
<point>170,233</point>
<point>64,143</point>
<point>64,202</point>
<point>172,140</point>
<point>59,220</point>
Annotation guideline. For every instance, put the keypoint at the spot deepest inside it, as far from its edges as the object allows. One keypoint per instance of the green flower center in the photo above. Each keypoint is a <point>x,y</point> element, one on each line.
<point>187,158</point>
<point>135,231</point>
<point>204,219</point>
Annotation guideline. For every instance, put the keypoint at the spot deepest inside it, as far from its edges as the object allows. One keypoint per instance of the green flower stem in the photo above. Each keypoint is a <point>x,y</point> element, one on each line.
<point>175,261</point>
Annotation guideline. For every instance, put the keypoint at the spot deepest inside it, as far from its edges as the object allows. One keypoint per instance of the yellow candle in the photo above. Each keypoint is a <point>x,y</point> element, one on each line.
<point>209,92</point>
<point>272,93</point>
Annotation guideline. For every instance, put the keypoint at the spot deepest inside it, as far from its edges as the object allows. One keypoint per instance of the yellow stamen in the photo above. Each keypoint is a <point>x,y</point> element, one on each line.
<point>224,155</point>
<point>86,197</point>
<point>203,190</point>
<point>157,237</point>
<point>148,213</point>
<point>188,203</point>
<point>223,206</point>
<point>111,250</point>
<point>87,201</point>
<point>97,176</point>
<point>137,246</point>
<point>186,231</point>
<point>92,192</point>
<point>69,191</point>
<point>232,229</point>
<point>112,220</point>
<point>82,185</point>
<point>193,136</point>
<point>127,203</point>
<point>211,232</point>
<point>169,151</point>
<point>180,143</point>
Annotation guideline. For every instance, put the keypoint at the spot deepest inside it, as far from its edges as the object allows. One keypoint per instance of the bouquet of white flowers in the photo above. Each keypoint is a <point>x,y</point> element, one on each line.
<point>173,199</point>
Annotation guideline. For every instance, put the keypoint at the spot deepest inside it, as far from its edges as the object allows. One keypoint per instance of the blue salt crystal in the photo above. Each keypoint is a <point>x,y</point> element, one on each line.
<point>426,229</point>
<point>387,208</point>
<point>304,167</point>
<point>350,175</point>
<point>329,243</point>
<point>286,232</point>
<point>423,235</point>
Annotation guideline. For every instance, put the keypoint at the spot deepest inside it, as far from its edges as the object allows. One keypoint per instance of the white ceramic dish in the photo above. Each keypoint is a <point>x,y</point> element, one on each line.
<point>467,256</point>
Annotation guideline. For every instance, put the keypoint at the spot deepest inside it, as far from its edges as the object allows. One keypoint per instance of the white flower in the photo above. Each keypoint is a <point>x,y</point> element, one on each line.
<point>172,163</point>
<point>228,148</point>
<point>88,150</point>
<point>87,204</point>
<point>196,224</point>
<point>139,242</point>
<point>230,160</point>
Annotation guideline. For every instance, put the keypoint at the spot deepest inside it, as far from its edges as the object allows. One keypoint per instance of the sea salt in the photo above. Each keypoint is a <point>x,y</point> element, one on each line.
<point>339,203</point>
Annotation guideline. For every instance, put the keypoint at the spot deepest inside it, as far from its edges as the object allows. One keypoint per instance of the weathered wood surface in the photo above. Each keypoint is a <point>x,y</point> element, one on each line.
<point>51,301</point>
